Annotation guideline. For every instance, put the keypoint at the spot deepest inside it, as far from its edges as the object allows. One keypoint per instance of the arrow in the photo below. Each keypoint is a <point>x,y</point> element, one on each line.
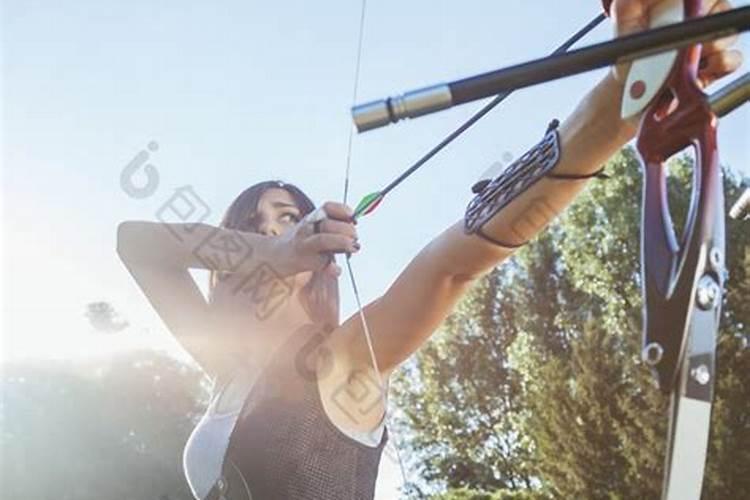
<point>371,201</point>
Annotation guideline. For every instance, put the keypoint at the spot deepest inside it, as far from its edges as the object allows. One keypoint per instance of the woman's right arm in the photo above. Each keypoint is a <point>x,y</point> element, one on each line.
<point>158,256</point>
<point>201,246</point>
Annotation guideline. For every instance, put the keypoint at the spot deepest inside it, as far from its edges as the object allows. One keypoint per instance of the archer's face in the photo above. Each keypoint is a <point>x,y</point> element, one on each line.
<point>276,213</point>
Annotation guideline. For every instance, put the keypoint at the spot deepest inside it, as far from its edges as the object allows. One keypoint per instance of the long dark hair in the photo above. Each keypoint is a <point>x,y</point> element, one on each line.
<point>320,296</point>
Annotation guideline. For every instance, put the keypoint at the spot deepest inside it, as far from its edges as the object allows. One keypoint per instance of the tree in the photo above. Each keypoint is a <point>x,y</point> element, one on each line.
<point>110,428</point>
<point>460,422</point>
<point>103,317</point>
<point>534,385</point>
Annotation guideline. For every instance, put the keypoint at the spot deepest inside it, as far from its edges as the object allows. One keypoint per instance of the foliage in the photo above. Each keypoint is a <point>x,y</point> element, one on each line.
<point>468,439</point>
<point>110,428</point>
<point>469,494</point>
<point>534,386</point>
<point>104,318</point>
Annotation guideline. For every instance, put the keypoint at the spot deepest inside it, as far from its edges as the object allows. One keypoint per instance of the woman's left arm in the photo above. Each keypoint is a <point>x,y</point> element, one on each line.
<point>432,283</point>
<point>426,291</point>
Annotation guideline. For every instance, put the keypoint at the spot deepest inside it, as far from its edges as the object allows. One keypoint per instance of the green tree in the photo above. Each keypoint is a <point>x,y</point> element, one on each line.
<point>460,422</point>
<point>534,386</point>
<point>729,451</point>
<point>104,318</point>
<point>109,428</point>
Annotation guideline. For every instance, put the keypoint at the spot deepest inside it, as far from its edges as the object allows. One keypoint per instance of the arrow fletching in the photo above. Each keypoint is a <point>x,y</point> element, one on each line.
<point>368,204</point>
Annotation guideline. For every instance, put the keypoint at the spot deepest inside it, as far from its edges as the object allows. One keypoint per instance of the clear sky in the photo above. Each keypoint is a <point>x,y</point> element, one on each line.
<point>236,92</point>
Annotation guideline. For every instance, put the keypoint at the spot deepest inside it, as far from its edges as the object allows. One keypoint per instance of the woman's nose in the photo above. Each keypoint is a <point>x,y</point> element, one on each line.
<point>269,230</point>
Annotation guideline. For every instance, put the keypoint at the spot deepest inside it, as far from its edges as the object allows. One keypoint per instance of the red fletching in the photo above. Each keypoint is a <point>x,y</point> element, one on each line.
<point>373,206</point>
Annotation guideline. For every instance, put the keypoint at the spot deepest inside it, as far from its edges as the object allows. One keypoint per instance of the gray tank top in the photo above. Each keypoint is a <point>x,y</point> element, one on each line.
<point>276,441</point>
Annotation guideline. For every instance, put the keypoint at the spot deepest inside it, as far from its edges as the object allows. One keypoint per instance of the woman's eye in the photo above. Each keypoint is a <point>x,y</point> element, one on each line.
<point>290,217</point>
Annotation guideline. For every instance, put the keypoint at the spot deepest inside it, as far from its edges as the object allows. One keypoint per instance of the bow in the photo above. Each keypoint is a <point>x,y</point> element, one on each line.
<point>682,280</point>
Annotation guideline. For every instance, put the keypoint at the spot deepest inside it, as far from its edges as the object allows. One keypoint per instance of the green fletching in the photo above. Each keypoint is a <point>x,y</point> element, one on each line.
<point>368,203</point>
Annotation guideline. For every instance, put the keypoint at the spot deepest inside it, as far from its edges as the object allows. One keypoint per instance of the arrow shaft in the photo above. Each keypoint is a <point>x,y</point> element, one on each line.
<point>482,112</point>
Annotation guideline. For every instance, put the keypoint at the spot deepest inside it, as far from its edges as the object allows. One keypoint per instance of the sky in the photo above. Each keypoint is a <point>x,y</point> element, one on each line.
<point>218,96</point>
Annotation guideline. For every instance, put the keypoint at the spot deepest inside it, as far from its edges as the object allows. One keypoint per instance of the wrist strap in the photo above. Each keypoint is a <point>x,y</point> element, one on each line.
<point>599,174</point>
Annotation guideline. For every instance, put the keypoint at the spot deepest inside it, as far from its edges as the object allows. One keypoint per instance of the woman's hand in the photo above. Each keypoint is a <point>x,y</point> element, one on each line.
<point>311,243</point>
<point>717,59</point>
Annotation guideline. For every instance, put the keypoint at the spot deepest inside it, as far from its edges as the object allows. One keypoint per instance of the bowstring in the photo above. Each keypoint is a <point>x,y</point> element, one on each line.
<point>355,289</point>
<point>353,281</point>
<point>354,97</point>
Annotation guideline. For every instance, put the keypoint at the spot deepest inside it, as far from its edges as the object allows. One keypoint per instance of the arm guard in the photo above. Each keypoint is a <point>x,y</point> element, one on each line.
<point>493,195</point>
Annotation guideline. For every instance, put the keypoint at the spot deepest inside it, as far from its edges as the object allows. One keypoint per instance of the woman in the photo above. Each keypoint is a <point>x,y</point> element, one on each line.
<point>298,408</point>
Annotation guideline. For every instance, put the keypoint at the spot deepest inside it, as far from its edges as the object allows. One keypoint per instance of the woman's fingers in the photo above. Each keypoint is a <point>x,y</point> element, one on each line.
<point>338,211</point>
<point>631,16</point>
<point>717,7</point>
<point>717,60</point>
<point>331,219</point>
<point>330,243</point>
<point>338,227</point>
<point>718,65</point>
<point>718,45</point>
<point>326,231</point>
<point>333,211</point>
<point>628,17</point>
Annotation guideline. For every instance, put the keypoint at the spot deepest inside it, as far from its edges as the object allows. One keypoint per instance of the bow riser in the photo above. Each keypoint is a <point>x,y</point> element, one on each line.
<point>683,280</point>
<point>671,272</point>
